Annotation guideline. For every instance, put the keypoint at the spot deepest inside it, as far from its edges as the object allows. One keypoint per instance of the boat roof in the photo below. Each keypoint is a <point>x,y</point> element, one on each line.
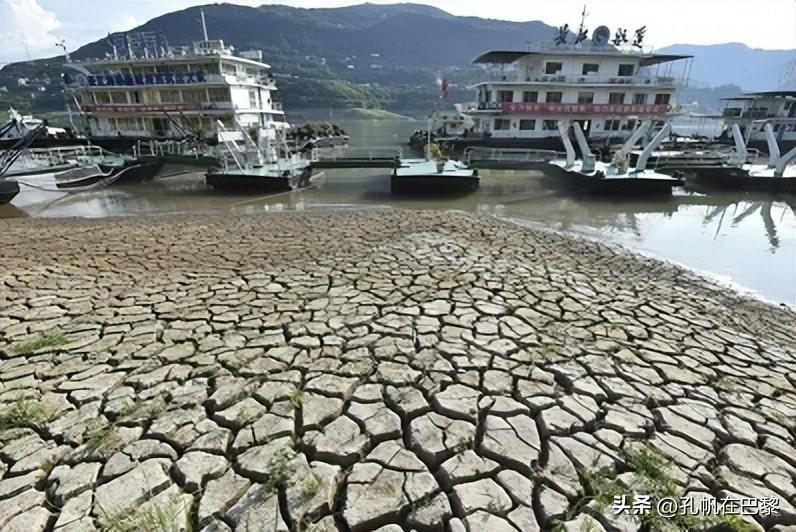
<point>188,58</point>
<point>511,56</point>
<point>761,94</point>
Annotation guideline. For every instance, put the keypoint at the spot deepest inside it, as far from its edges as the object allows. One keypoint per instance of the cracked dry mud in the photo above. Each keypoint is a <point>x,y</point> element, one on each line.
<point>366,370</point>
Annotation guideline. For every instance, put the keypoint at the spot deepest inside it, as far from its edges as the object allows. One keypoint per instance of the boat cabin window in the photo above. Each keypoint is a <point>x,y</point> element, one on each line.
<point>102,97</point>
<point>616,97</point>
<point>505,96</point>
<point>626,70</point>
<point>530,96</point>
<point>553,97</point>
<point>611,125</point>
<point>585,97</point>
<point>629,125</point>
<point>218,95</point>
<point>118,97</point>
<point>590,68</point>
<point>662,99</point>
<point>170,96</point>
<point>226,68</point>
<point>502,123</point>
<point>527,124</point>
<point>640,99</point>
<point>553,67</point>
<point>549,125</point>
<point>193,95</point>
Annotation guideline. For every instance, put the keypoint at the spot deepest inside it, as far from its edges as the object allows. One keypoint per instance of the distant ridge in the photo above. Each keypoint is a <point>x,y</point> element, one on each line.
<point>380,56</point>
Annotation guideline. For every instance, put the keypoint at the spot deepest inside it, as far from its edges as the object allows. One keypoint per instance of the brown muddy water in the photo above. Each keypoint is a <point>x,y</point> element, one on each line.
<point>745,240</point>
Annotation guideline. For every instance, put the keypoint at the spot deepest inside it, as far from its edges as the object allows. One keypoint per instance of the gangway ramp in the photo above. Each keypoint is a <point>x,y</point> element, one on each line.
<point>509,158</point>
<point>355,158</point>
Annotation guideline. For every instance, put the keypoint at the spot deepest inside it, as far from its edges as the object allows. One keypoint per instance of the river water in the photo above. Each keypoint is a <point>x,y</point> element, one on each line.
<point>746,240</point>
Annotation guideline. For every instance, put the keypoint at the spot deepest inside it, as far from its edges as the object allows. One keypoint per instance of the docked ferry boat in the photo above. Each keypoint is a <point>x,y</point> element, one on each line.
<point>146,90</point>
<point>607,86</point>
<point>747,109</point>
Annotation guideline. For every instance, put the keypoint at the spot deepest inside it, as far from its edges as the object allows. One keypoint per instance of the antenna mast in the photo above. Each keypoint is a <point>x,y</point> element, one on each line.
<point>204,26</point>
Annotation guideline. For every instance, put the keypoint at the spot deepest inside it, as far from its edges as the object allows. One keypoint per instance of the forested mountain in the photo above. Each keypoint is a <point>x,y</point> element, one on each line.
<point>368,55</point>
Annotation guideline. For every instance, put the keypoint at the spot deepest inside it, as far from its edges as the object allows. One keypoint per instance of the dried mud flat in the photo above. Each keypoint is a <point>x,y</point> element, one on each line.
<point>363,370</point>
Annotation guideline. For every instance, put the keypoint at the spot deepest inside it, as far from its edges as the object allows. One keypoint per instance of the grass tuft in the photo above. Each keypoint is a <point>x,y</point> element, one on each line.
<point>25,413</point>
<point>169,517</point>
<point>278,468</point>
<point>55,339</point>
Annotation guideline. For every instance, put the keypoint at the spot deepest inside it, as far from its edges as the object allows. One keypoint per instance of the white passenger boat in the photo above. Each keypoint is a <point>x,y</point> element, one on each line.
<point>606,85</point>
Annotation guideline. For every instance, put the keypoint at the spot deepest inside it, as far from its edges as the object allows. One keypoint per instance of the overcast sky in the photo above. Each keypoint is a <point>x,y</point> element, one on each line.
<point>30,28</point>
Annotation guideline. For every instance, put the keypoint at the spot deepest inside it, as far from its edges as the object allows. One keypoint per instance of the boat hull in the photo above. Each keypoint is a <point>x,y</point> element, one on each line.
<point>42,170</point>
<point>131,172</point>
<point>434,184</point>
<point>625,186</point>
<point>8,190</point>
<point>739,179</point>
<point>247,183</point>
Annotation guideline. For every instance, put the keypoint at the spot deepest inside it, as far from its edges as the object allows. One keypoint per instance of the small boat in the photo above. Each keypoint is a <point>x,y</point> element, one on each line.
<point>248,168</point>
<point>736,172</point>
<point>616,177</point>
<point>8,190</point>
<point>107,169</point>
<point>426,176</point>
<point>273,177</point>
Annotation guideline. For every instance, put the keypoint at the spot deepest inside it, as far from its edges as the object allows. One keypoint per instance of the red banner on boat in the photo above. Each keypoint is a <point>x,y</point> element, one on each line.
<point>583,108</point>
<point>142,108</point>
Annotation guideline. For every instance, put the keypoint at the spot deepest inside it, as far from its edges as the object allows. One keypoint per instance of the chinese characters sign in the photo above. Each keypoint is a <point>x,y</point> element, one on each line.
<point>153,78</point>
<point>142,108</point>
<point>583,108</point>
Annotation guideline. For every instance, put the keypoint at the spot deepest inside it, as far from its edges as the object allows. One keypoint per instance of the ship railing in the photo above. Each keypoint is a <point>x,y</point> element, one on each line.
<point>476,154</point>
<point>346,152</point>
<point>54,156</point>
<point>658,81</point>
<point>162,148</point>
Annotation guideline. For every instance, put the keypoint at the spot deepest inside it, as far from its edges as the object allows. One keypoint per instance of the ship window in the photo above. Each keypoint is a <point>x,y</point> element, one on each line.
<point>502,123</point>
<point>639,99</point>
<point>118,97</point>
<point>505,96</point>
<point>218,95</point>
<point>662,99</point>
<point>590,68</point>
<point>226,68</point>
<point>611,125</point>
<point>616,97</point>
<point>553,97</point>
<point>549,125</point>
<point>527,124</point>
<point>626,70</point>
<point>169,96</point>
<point>102,97</point>
<point>530,96</point>
<point>585,97</point>
<point>552,67</point>
<point>253,98</point>
<point>629,125</point>
<point>193,95</point>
